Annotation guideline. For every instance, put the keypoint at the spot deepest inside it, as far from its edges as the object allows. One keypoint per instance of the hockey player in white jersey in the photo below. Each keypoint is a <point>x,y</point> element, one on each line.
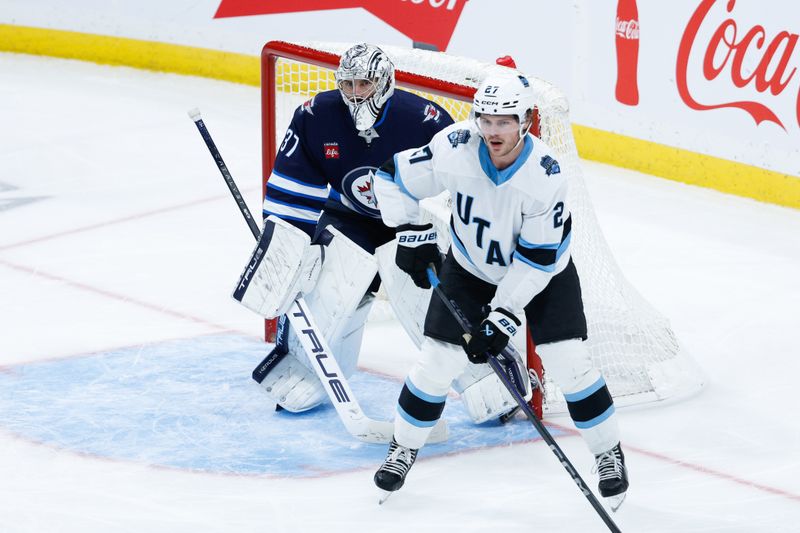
<point>510,254</point>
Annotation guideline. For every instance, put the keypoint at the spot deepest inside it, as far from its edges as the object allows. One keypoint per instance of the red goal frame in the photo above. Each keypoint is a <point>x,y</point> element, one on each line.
<point>274,50</point>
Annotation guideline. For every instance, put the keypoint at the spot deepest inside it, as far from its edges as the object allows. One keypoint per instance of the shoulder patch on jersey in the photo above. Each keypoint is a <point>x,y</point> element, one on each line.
<point>431,112</point>
<point>308,105</point>
<point>458,137</point>
<point>550,165</point>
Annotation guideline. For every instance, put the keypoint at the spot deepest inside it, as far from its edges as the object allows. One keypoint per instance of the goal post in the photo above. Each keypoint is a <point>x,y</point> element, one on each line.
<point>629,341</point>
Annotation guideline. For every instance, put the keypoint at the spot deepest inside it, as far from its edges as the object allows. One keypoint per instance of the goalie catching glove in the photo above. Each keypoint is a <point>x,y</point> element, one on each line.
<point>492,335</point>
<point>416,250</point>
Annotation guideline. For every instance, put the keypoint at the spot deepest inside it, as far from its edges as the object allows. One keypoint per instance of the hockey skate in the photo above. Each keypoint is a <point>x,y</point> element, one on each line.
<point>613,485</point>
<point>392,473</point>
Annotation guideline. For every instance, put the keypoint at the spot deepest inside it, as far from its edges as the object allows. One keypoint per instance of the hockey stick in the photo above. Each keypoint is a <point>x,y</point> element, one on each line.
<point>314,344</point>
<point>512,389</point>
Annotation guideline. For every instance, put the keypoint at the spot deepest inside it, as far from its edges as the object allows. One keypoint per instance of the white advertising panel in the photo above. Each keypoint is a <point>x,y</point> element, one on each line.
<point>715,77</point>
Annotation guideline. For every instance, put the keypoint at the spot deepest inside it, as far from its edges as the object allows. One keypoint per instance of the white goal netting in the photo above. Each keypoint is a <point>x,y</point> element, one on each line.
<point>631,342</point>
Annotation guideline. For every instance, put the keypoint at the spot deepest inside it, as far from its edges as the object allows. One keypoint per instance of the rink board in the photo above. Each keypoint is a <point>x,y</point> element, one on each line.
<point>191,404</point>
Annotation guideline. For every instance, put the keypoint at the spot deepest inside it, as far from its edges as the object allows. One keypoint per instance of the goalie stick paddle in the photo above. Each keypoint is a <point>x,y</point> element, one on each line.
<point>314,344</point>
<point>497,366</point>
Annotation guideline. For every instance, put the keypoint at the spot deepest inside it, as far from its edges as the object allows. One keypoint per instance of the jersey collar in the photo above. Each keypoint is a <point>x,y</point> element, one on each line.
<point>384,112</point>
<point>499,177</point>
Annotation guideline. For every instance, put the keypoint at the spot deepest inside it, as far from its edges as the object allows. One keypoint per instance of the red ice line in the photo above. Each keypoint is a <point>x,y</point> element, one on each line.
<point>103,292</point>
<point>108,223</point>
<point>677,462</point>
<point>112,295</point>
<point>716,473</point>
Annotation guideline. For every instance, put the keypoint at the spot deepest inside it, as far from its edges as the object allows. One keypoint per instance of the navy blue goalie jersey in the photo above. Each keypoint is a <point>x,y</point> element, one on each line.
<point>324,162</point>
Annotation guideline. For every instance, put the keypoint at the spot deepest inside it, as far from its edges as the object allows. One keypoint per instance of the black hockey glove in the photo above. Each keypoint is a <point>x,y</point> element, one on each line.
<point>416,249</point>
<point>492,335</point>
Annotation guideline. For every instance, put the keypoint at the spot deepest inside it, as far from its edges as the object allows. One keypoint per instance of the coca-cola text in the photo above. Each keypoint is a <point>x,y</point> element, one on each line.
<point>726,51</point>
<point>627,44</point>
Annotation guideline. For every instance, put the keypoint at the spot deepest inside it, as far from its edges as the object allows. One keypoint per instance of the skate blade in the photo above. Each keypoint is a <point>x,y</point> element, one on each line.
<point>615,502</point>
<point>384,495</point>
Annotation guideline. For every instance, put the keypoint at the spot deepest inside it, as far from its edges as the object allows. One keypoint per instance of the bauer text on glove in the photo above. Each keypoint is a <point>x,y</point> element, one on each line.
<point>416,249</point>
<point>491,335</point>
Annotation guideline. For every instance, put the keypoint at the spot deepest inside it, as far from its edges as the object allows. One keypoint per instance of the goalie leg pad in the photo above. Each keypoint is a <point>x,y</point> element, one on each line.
<point>484,395</point>
<point>589,402</point>
<point>408,302</point>
<point>347,347</point>
<point>345,277</point>
<point>340,308</point>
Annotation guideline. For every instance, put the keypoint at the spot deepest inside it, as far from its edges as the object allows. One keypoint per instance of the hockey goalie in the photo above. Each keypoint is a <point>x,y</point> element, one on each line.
<point>323,226</point>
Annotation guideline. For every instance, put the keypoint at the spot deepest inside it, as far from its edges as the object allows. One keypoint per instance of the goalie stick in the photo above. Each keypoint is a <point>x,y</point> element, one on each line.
<point>497,366</point>
<point>314,344</point>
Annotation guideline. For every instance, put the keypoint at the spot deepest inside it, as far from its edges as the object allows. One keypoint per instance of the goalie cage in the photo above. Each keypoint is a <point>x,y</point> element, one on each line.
<point>629,341</point>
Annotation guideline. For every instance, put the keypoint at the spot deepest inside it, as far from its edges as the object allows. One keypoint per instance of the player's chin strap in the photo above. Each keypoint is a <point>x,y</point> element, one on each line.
<point>499,369</point>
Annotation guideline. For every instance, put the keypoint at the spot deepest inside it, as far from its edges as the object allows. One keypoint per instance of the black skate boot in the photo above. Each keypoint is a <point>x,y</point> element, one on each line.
<point>613,485</point>
<point>392,473</point>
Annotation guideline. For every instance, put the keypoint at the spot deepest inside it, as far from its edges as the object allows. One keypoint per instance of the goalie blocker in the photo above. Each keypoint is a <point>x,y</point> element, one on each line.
<point>282,266</point>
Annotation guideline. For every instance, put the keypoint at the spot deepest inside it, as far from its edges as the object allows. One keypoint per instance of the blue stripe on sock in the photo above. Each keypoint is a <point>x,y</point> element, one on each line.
<point>585,393</point>
<point>596,420</point>
<point>423,395</point>
<point>413,421</point>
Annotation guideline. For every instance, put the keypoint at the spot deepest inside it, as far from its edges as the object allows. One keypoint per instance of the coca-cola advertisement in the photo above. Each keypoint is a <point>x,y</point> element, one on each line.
<point>730,57</point>
<point>627,44</point>
<point>717,78</point>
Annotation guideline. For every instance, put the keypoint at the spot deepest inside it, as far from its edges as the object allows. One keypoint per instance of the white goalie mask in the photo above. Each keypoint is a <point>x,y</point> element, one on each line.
<point>365,79</point>
<point>504,95</point>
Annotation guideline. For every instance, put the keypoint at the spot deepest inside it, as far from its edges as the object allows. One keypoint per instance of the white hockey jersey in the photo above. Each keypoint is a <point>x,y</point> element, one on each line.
<point>509,227</point>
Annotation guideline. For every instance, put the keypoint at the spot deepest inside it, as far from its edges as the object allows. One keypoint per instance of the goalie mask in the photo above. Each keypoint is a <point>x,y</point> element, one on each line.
<point>504,95</point>
<point>365,79</point>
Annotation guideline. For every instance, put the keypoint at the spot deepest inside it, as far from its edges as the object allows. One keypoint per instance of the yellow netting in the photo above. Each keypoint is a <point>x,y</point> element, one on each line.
<point>304,80</point>
<point>629,341</point>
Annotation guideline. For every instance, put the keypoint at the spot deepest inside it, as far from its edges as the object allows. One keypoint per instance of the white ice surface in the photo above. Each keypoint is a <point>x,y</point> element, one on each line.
<point>116,230</point>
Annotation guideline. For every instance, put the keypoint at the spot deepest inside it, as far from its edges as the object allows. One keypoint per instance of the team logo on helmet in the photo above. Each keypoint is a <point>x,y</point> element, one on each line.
<point>358,193</point>
<point>349,57</point>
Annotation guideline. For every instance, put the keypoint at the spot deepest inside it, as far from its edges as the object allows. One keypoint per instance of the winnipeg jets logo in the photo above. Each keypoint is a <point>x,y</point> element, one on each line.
<point>368,135</point>
<point>431,113</point>
<point>358,192</point>
<point>366,192</point>
<point>307,106</point>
